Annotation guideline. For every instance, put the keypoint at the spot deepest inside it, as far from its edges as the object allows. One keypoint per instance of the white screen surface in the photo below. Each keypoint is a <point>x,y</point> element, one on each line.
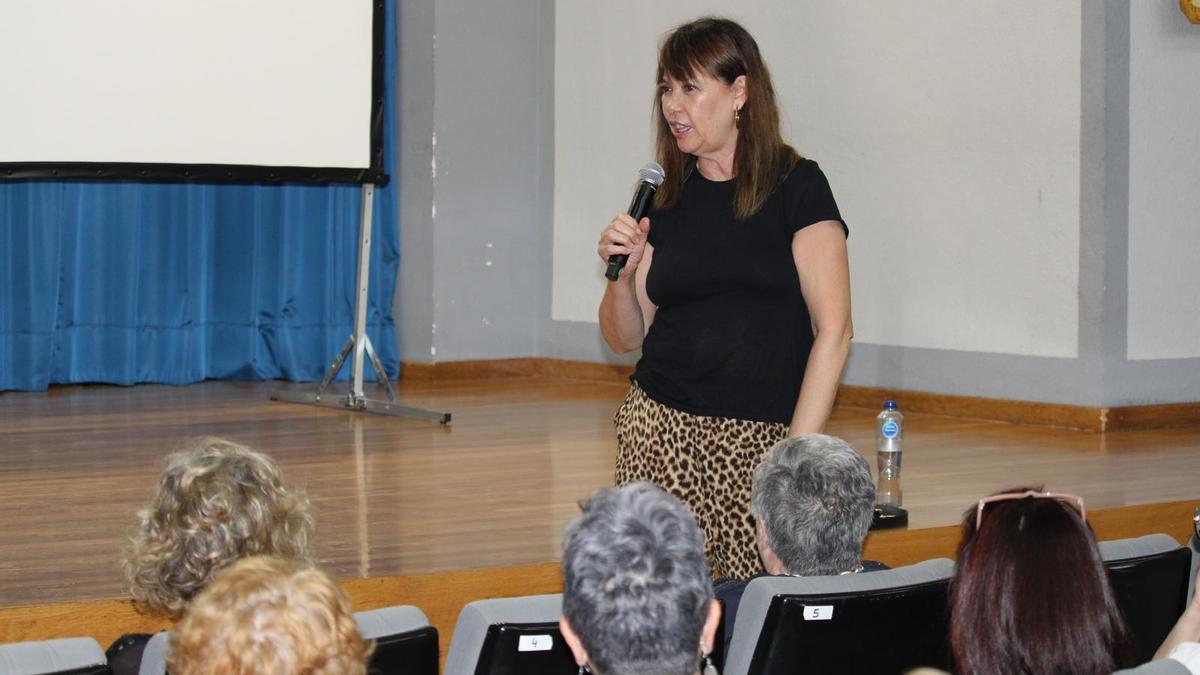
<point>264,83</point>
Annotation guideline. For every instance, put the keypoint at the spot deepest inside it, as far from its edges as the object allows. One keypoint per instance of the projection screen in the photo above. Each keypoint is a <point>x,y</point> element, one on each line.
<point>222,90</point>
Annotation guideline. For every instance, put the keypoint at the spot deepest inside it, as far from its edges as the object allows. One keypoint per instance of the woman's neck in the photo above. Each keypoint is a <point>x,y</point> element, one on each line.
<point>716,168</point>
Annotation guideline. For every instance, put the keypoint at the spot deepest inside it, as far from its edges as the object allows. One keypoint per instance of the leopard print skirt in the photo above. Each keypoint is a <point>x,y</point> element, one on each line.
<point>707,462</point>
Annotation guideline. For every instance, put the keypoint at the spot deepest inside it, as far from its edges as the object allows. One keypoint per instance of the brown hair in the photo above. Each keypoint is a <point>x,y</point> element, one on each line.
<point>269,615</point>
<point>724,50</point>
<point>215,503</point>
<point>1031,595</point>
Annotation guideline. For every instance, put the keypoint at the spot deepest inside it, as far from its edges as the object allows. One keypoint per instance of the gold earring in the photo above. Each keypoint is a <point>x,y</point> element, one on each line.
<point>737,115</point>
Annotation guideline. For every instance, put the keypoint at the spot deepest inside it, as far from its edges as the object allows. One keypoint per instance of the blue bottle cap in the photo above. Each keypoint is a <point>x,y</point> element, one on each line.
<point>889,404</point>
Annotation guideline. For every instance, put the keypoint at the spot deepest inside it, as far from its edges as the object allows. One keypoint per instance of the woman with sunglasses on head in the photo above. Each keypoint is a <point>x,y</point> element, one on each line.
<point>1030,593</point>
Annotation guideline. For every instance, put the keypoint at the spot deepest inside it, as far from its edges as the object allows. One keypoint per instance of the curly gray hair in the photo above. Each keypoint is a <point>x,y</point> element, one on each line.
<point>636,585</point>
<point>814,496</point>
<point>216,502</point>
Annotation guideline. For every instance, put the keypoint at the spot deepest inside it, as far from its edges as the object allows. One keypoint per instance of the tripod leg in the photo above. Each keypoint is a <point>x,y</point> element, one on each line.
<point>380,373</point>
<point>335,366</point>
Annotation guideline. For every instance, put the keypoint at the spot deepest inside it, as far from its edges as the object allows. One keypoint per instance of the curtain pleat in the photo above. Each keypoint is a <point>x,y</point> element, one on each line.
<point>127,283</point>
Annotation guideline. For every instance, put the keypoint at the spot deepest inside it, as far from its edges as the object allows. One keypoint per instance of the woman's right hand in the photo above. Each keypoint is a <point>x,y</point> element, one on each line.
<point>623,236</point>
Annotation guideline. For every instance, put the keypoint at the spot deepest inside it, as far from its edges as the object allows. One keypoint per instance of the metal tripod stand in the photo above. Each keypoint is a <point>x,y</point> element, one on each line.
<point>360,344</point>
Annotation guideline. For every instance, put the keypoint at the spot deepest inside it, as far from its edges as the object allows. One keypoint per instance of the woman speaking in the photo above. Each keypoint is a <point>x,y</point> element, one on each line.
<point>737,290</point>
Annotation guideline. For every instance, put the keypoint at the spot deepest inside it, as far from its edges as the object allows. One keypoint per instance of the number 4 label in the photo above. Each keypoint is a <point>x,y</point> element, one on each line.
<point>535,643</point>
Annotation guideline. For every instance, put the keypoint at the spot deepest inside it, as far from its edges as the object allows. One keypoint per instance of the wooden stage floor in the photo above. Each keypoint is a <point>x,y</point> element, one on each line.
<point>495,488</point>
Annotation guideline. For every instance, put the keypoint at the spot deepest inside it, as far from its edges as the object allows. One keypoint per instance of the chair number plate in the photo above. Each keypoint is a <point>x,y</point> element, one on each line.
<point>535,643</point>
<point>818,612</point>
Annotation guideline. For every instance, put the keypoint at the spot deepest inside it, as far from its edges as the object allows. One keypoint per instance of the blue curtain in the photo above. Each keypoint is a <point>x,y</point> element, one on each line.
<point>176,283</point>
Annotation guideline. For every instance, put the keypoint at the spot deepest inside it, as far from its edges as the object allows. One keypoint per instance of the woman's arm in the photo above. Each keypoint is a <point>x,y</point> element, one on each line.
<point>819,252</point>
<point>626,311</point>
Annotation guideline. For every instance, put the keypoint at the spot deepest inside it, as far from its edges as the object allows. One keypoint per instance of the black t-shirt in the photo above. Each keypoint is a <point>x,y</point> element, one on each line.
<point>731,334</point>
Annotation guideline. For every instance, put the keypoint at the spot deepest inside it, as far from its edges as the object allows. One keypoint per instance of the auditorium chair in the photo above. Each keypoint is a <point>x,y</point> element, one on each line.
<point>154,656</point>
<point>877,622</point>
<point>66,656</point>
<point>405,643</point>
<point>510,636</point>
<point>1149,577</point>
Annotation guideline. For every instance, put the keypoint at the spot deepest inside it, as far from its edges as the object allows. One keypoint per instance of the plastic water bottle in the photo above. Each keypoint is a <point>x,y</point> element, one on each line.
<point>889,443</point>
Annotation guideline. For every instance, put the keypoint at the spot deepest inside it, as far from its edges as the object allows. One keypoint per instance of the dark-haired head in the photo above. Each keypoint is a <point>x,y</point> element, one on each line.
<point>1030,593</point>
<point>723,50</point>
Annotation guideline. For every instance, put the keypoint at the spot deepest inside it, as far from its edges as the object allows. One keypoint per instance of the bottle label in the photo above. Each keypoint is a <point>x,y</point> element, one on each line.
<point>891,429</point>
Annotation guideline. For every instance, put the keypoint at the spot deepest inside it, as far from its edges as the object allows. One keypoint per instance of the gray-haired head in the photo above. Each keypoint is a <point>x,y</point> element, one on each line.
<point>636,586</point>
<point>814,497</point>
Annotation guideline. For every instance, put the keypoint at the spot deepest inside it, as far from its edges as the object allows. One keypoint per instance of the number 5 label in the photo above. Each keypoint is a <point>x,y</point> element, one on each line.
<point>818,612</point>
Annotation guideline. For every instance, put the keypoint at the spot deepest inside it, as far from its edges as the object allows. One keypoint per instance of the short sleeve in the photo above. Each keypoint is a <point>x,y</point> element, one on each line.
<point>1187,653</point>
<point>808,198</point>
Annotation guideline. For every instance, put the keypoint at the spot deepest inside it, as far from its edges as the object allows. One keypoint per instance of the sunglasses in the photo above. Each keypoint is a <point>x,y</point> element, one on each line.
<point>1071,500</point>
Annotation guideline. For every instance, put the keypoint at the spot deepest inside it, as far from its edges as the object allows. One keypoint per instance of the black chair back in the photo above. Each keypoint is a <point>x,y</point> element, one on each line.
<point>880,622</point>
<point>413,652</point>
<point>510,636</point>
<point>1149,577</point>
<point>405,643</point>
<point>880,632</point>
<point>525,649</point>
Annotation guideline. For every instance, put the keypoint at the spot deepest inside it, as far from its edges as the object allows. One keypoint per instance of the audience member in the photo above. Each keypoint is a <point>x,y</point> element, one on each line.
<point>637,598</point>
<point>813,499</point>
<point>216,502</point>
<point>1030,592</point>
<point>268,615</point>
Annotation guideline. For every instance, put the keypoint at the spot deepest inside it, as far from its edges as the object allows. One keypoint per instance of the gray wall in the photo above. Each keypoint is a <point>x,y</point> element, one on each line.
<point>476,231</point>
<point>413,304</point>
<point>473,141</point>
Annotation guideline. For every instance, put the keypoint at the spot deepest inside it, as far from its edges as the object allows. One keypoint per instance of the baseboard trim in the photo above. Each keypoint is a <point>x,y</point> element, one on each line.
<point>1154,416</point>
<point>529,366</point>
<point>1084,418</point>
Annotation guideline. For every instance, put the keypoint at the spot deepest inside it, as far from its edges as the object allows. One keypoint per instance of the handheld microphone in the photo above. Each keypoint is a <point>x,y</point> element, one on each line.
<point>652,176</point>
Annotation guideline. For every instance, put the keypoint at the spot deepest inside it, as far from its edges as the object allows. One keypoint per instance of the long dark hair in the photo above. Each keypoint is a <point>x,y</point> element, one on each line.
<point>1030,594</point>
<point>724,50</point>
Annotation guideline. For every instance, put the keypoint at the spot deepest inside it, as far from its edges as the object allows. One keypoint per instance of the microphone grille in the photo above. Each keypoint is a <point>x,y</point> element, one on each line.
<point>652,173</point>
